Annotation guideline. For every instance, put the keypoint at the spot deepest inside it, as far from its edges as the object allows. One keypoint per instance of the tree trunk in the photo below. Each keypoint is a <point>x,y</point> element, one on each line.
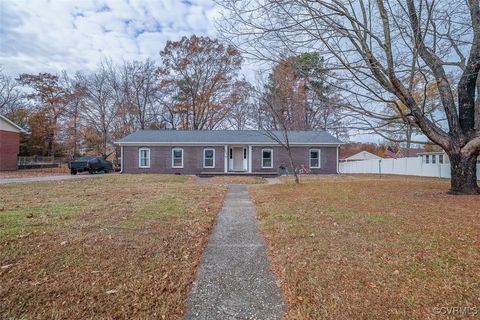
<point>292,164</point>
<point>463,174</point>
<point>104,144</point>
<point>409,138</point>
<point>51,144</point>
<point>75,135</point>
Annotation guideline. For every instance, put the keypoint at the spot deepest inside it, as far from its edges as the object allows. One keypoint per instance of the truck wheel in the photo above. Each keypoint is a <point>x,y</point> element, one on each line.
<point>105,171</point>
<point>90,171</point>
<point>73,171</point>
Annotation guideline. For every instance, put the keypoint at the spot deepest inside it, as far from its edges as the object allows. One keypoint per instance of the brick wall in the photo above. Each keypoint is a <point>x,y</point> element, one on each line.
<point>161,159</point>
<point>9,148</point>
<point>328,159</point>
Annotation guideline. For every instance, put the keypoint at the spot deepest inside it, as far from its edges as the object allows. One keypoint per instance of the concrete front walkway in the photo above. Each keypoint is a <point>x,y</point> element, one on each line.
<point>234,280</point>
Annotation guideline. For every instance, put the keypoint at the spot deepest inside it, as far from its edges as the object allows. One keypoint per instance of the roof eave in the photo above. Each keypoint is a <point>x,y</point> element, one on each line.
<point>13,124</point>
<point>136,143</point>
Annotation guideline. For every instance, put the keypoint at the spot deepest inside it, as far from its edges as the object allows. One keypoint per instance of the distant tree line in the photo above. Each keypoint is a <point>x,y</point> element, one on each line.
<point>195,86</point>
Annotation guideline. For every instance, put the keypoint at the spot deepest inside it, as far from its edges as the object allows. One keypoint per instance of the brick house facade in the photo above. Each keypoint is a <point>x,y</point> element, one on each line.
<point>227,152</point>
<point>9,144</point>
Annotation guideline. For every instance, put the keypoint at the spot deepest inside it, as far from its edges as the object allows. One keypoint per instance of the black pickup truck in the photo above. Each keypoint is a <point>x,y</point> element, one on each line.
<point>90,165</point>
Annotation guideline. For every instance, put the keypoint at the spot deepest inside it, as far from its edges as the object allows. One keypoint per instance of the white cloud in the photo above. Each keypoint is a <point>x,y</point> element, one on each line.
<point>50,36</point>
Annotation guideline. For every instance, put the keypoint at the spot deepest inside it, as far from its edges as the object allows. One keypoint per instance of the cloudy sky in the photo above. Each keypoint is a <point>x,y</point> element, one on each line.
<point>55,35</point>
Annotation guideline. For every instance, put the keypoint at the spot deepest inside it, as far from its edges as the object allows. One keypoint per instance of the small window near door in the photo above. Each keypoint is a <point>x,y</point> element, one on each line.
<point>244,153</point>
<point>434,158</point>
<point>209,158</point>
<point>314,158</point>
<point>231,153</point>
<point>177,158</point>
<point>267,155</point>
<point>144,158</point>
<point>427,158</point>
<point>440,158</point>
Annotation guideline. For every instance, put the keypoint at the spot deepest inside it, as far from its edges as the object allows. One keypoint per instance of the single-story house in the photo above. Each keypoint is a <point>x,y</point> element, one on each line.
<point>362,155</point>
<point>9,144</point>
<point>434,157</point>
<point>437,157</point>
<point>226,152</point>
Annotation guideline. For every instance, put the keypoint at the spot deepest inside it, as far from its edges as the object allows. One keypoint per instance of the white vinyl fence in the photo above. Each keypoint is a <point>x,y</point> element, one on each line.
<point>404,166</point>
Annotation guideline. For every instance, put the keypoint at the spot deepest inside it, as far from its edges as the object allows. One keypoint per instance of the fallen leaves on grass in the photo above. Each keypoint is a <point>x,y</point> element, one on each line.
<point>389,248</point>
<point>119,247</point>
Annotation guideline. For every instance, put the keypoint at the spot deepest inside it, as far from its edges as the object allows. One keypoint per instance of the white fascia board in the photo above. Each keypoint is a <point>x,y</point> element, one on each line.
<point>10,122</point>
<point>138,144</point>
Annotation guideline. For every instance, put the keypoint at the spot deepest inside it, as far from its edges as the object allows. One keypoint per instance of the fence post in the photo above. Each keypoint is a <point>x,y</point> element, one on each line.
<point>380,167</point>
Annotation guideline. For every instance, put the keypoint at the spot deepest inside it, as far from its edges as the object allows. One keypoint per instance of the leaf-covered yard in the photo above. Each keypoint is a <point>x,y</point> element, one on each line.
<point>367,248</point>
<point>113,247</point>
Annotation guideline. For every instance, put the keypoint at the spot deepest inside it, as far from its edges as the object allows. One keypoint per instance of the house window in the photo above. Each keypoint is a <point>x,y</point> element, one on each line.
<point>440,158</point>
<point>434,159</point>
<point>314,158</point>
<point>177,158</point>
<point>244,153</point>
<point>209,158</point>
<point>231,153</point>
<point>144,158</point>
<point>427,158</point>
<point>267,155</point>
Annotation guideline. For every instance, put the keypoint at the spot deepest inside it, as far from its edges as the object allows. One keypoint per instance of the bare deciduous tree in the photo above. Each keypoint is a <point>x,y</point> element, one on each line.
<point>74,105</point>
<point>241,106</point>
<point>142,92</point>
<point>198,75</point>
<point>377,48</point>
<point>273,121</point>
<point>10,95</point>
<point>103,99</point>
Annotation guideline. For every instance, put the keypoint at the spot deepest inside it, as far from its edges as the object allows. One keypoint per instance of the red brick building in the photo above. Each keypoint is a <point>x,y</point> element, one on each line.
<point>9,144</point>
<point>227,152</point>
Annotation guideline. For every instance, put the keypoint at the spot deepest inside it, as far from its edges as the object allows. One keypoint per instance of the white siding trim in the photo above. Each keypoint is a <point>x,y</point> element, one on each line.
<point>225,164</point>
<point>249,159</point>
<point>121,159</point>
<point>338,161</point>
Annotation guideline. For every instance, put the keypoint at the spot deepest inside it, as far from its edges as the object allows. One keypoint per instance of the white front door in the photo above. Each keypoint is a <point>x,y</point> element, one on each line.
<point>238,157</point>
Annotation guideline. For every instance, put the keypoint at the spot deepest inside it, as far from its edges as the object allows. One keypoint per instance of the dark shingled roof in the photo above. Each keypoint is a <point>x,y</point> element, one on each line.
<point>226,136</point>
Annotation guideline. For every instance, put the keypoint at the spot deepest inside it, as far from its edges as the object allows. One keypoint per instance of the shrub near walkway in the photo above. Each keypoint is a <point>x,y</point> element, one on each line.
<point>117,247</point>
<point>369,248</point>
